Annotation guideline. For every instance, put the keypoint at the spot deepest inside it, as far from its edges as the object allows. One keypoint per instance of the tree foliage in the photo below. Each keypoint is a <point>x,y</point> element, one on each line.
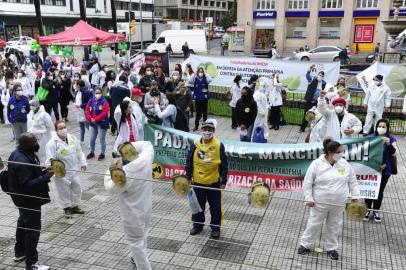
<point>228,19</point>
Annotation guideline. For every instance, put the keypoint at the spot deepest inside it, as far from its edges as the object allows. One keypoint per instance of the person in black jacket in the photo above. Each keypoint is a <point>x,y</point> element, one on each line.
<point>29,191</point>
<point>316,85</point>
<point>172,84</point>
<point>246,112</point>
<point>118,92</point>
<point>184,101</point>
<point>51,101</point>
<point>145,81</point>
<point>65,95</point>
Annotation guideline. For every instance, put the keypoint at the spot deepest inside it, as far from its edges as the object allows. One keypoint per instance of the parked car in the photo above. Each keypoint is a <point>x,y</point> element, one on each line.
<point>2,44</point>
<point>219,33</point>
<point>20,41</point>
<point>321,53</point>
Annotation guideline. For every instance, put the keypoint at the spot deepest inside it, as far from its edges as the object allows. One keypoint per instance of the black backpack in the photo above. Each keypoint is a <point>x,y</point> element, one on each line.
<point>180,121</point>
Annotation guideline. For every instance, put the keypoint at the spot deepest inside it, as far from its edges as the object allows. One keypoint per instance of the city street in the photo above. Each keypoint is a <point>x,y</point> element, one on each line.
<point>251,238</point>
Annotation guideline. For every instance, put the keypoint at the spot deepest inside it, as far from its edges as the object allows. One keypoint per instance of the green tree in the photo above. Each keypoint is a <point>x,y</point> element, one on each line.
<point>228,19</point>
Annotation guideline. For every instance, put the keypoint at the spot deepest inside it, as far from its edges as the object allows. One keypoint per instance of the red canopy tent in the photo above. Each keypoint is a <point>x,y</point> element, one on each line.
<point>81,34</point>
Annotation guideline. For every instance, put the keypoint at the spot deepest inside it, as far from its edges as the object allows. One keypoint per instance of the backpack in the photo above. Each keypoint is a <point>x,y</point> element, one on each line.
<point>270,54</point>
<point>4,181</point>
<point>180,121</point>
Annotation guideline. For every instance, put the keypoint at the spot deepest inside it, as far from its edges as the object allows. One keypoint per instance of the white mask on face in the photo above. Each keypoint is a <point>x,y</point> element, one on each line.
<point>319,78</point>
<point>207,135</point>
<point>381,130</point>
<point>377,83</point>
<point>338,109</point>
<point>337,157</point>
<point>19,75</point>
<point>105,69</point>
<point>19,93</point>
<point>130,110</point>
<point>149,73</point>
<point>98,96</point>
<point>62,133</point>
<point>175,77</point>
<point>33,108</point>
<point>50,78</point>
<point>200,74</point>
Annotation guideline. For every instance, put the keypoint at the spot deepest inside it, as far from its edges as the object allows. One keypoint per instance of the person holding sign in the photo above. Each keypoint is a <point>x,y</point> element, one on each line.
<point>388,167</point>
<point>207,166</point>
<point>135,197</point>
<point>327,184</point>
<point>340,124</point>
<point>377,99</point>
<point>66,148</point>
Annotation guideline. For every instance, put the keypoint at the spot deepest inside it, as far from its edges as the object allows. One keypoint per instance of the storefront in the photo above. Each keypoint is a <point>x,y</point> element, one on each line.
<point>264,35</point>
<point>364,31</point>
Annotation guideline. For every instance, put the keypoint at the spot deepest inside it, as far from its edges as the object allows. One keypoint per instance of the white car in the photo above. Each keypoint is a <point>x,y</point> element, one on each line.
<point>20,41</point>
<point>321,53</point>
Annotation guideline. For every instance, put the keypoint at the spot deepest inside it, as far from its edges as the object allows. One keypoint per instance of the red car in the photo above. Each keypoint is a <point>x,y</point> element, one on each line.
<point>2,44</point>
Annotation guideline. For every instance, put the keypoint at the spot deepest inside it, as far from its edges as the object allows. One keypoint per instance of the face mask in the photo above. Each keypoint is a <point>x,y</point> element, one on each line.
<point>19,93</point>
<point>50,78</point>
<point>381,130</point>
<point>342,83</point>
<point>207,135</point>
<point>175,77</point>
<point>63,76</point>
<point>56,73</point>
<point>200,74</point>
<point>337,157</point>
<point>338,109</point>
<point>35,148</point>
<point>320,78</point>
<point>105,69</point>
<point>62,133</point>
<point>129,110</point>
<point>19,75</point>
<point>149,73</point>
<point>76,79</point>
<point>98,96</point>
<point>377,83</point>
<point>138,99</point>
<point>33,108</point>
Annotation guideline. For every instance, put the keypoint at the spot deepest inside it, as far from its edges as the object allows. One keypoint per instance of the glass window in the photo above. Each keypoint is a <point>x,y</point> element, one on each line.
<point>192,2</point>
<point>265,4</point>
<point>367,3</point>
<point>264,38</point>
<point>331,4</point>
<point>184,2</point>
<point>90,3</point>
<point>161,40</point>
<point>53,2</point>
<point>206,3</point>
<point>296,28</point>
<point>298,4</point>
<point>330,27</point>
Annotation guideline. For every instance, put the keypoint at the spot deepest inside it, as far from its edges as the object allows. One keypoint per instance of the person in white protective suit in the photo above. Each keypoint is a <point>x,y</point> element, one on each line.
<point>377,99</point>
<point>136,201</point>
<point>329,181</point>
<point>339,123</point>
<point>260,97</point>
<point>317,127</point>
<point>275,101</point>
<point>66,148</point>
<point>40,124</point>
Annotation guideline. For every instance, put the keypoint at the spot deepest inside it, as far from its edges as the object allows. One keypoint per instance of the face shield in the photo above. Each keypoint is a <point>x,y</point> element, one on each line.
<point>259,196</point>
<point>356,210</point>
<point>180,185</point>
<point>128,152</point>
<point>58,167</point>
<point>118,176</point>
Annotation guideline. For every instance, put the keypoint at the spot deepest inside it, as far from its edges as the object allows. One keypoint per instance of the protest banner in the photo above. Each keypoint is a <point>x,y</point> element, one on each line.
<point>394,75</point>
<point>281,166</point>
<point>292,74</point>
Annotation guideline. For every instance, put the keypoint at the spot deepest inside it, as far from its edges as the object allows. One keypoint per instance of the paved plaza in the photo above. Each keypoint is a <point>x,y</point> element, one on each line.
<point>251,238</point>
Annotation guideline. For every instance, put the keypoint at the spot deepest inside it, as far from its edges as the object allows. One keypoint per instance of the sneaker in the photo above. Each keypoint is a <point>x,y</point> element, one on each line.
<point>132,261</point>
<point>19,258</point>
<point>195,231</point>
<point>77,210</point>
<point>215,235</point>
<point>366,218</point>
<point>38,266</point>
<point>68,212</point>
<point>302,250</point>
<point>90,156</point>
<point>101,157</point>
<point>333,254</point>
<point>377,217</point>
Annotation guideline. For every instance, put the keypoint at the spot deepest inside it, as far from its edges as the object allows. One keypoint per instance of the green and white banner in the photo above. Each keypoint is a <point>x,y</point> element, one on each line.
<point>292,74</point>
<point>281,166</point>
<point>394,76</point>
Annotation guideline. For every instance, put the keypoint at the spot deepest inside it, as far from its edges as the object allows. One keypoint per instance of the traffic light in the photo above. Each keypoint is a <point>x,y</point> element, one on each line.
<point>133,27</point>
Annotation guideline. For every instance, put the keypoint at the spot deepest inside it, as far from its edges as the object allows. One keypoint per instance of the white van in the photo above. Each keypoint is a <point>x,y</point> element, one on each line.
<point>196,40</point>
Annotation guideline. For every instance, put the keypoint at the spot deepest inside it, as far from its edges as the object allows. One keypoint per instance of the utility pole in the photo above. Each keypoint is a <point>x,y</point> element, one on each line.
<point>114,21</point>
<point>142,38</point>
<point>82,8</point>
<point>129,31</point>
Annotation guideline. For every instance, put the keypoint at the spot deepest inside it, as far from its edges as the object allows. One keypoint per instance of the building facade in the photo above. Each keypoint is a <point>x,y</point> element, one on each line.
<point>193,10</point>
<point>17,17</point>
<point>296,23</point>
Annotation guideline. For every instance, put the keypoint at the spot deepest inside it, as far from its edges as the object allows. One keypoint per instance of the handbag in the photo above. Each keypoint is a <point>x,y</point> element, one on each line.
<point>42,93</point>
<point>193,202</point>
<point>394,165</point>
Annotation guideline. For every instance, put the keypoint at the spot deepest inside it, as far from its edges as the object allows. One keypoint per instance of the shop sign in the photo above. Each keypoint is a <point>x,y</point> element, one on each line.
<point>402,12</point>
<point>331,13</point>
<point>366,13</point>
<point>364,33</point>
<point>265,14</point>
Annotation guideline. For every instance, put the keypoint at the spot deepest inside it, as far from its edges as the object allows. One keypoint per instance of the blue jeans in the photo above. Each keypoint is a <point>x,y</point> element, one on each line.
<point>247,138</point>
<point>94,131</point>
<point>83,126</point>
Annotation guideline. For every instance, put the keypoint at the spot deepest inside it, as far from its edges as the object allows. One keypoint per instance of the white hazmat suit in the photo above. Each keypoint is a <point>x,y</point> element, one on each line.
<point>68,189</point>
<point>136,202</point>
<point>327,184</point>
<point>376,98</point>
<point>260,97</point>
<point>333,127</point>
<point>41,125</point>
